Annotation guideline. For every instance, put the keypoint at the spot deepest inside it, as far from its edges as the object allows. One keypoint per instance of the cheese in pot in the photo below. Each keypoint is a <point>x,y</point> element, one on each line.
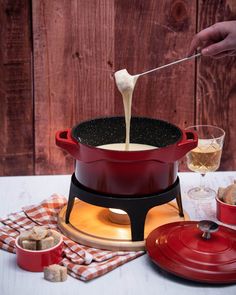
<point>132,147</point>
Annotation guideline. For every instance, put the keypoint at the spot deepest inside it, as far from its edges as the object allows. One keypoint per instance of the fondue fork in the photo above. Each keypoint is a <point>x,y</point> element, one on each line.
<point>170,64</point>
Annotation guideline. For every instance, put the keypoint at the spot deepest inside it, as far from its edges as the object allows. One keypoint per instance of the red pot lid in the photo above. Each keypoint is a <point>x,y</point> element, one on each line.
<point>182,249</point>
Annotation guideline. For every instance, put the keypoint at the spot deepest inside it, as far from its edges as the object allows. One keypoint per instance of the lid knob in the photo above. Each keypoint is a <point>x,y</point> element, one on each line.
<point>207,227</point>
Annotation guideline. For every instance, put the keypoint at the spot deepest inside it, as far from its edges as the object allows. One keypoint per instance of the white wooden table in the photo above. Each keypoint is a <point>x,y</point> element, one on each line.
<point>139,276</point>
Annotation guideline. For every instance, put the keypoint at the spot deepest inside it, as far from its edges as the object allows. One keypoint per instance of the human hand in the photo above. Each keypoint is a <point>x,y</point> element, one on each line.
<point>217,41</point>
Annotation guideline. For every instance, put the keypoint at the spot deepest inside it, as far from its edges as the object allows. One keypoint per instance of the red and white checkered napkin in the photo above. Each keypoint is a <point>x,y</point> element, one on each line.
<point>82,262</point>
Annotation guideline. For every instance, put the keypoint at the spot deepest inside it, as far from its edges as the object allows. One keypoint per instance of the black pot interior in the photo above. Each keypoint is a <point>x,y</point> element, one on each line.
<point>112,130</point>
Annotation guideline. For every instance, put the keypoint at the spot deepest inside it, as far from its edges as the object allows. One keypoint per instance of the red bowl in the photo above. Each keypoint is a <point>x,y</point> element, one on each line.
<point>225,213</point>
<point>36,260</point>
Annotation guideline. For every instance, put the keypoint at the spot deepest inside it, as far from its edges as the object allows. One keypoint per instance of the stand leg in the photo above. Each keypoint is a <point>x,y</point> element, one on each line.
<point>179,203</point>
<point>137,223</point>
<point>70,204</point>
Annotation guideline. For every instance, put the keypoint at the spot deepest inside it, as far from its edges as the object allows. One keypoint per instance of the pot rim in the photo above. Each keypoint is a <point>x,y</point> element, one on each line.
<point>124,152</point>
<point>179,144</point>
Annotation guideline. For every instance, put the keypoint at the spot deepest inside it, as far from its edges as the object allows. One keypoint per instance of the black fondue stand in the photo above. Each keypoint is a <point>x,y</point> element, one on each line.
<point>136,207</point>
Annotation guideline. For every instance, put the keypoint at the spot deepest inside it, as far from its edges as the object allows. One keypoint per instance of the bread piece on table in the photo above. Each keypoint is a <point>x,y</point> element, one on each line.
<point>56,236</point>
<point>29,245</point>
<point>221,193</point>
<point>45,243</point>
<point>228,194</point>
<point>36,233</point>
<point>43,238</point>
<point>39,233</point>
<point>49,233</point>
<point>55,273</point>
<point>24,236</point>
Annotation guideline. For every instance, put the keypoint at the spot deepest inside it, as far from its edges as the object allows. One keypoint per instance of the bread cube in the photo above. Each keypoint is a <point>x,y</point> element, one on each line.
<point>45,243</point>
<point>38,233</point>
<point>55,273</point>
<point>29,245</point>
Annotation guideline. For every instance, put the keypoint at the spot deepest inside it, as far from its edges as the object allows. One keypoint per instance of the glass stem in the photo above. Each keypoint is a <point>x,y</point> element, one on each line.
<point>202,181</point>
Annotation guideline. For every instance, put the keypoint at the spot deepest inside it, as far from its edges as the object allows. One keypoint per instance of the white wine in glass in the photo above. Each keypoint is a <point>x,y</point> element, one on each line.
<point>205,157</point>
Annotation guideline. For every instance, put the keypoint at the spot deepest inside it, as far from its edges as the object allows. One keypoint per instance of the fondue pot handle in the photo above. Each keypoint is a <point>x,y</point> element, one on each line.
<point>188,142</point>
<point>66,142</point>
<point>174,152</point>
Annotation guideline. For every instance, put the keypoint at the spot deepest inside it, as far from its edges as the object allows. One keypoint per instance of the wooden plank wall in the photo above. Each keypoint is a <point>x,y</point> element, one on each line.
<point>16,99</point>
<point>76,45</point>
<point>216,82</point>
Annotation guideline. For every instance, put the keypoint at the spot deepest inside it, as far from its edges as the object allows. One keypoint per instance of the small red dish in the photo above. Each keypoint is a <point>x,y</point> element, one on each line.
<point>36,260</point>
<point>225,213</point>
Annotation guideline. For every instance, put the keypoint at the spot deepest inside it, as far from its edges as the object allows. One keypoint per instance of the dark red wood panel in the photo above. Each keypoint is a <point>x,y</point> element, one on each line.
<point>73,62</point>
<point>216,84</point>
<point>16,99</point>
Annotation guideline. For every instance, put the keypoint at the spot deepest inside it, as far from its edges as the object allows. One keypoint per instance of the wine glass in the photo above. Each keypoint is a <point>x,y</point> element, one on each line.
<point>205,157</point>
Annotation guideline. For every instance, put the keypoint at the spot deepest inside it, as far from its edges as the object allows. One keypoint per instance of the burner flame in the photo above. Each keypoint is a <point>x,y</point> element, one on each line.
<point>118,216</point>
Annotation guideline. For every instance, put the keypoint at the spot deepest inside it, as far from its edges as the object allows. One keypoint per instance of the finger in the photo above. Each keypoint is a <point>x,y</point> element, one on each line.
<point>216,48</point>
<point>203,44</point>
<point>194,45</point>
<point>207,35</point>
<point>224,54</point>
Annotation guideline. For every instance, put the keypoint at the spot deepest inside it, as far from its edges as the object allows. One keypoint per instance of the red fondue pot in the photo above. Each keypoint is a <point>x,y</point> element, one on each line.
<point>126,172</point>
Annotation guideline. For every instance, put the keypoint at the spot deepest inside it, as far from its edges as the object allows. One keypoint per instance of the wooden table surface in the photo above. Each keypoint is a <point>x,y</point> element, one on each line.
<point>139,276</point>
